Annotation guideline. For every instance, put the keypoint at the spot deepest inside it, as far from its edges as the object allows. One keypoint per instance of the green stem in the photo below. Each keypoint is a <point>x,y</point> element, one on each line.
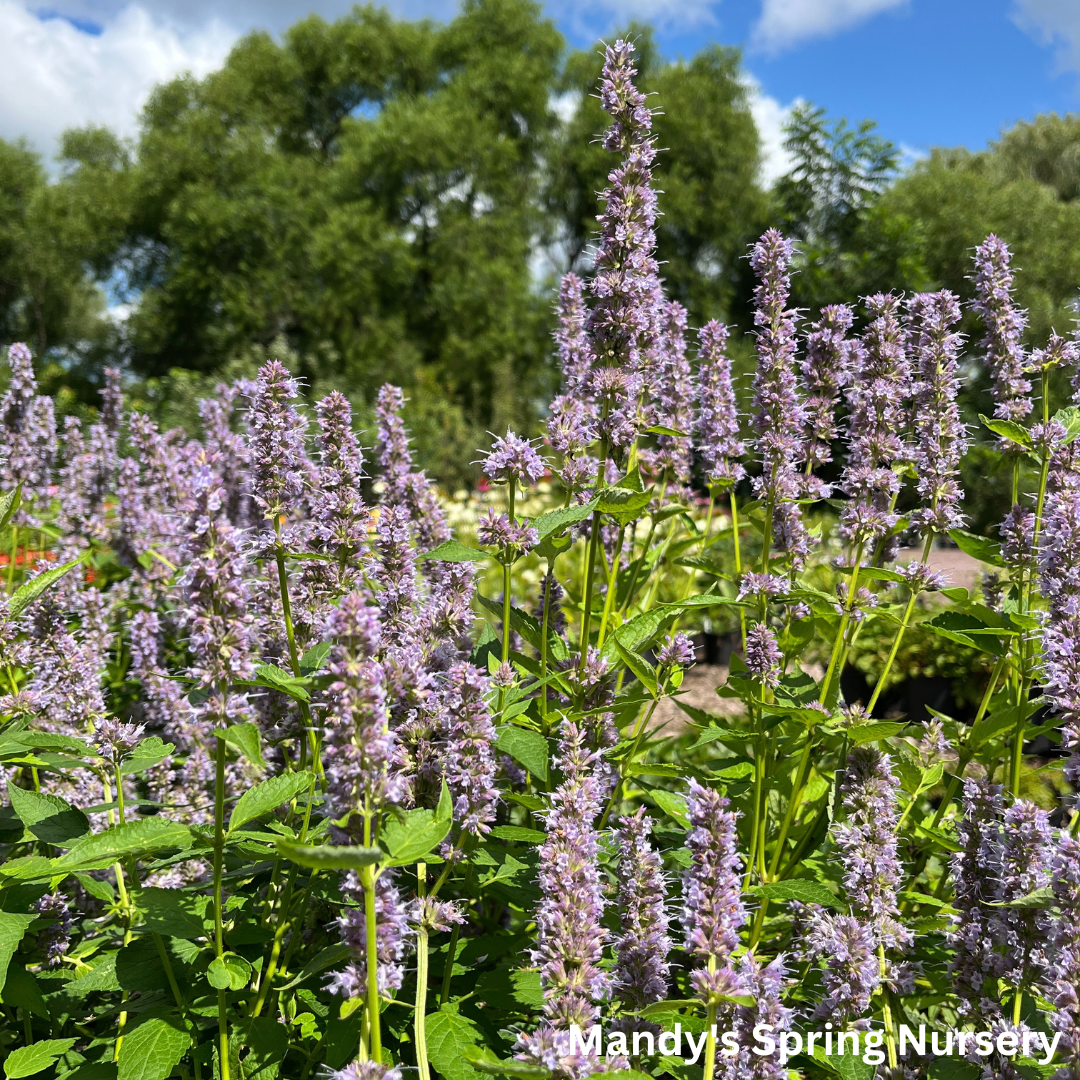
<point>549,579</point>
<point>219,926</point>
<point>845,619</point>
<point>738,562</point>
<point>709,1065</point>
<point>886,1010</point>
<point>420,1008</point>
<point>586,612</point>
<point>372,950</point>
<point>609,600</point>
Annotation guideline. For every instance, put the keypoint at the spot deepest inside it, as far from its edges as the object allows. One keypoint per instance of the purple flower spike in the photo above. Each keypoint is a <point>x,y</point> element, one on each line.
<point>571,340</point>
<point>569,934</point>
<point>852,972</point>
<point>713,910</point>
<point>513,458</point>
<point>875,423</point>
<point>677,651</point>
<point>675,391</point>
<point>642,971</point>
<point>338,511</point>
<point>824,370</point>
<point>1005,324</point>
<point>391,932</point>
<point>278,457</point>
<point>27,429</point>
<point>1064,980</point>
<point>940,438</point>
<point>779,413</point>
<point>718,440</point>
<point>763,656</point>
<point>366,1070</point>
<point>469,765</point>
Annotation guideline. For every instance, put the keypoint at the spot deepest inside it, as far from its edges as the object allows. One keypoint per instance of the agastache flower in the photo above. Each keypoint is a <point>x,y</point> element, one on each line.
<point>677,651</point>
<point>779,413</point>
<point>396,573</point>
<point>1064,946</point>
<point>824,372</point>
<point>876,419</point>
<point>763,656</point>
<point>360,754</point>
<point>366,1070</point>
<point>852,971</point>
<point>869,846</point>
<point>940,438</point>
<point>717,426</point>
<point>391,935</point>
<point>625,291</point>
<point>571,339</point>
<point>765,984</point>
<point>115,740</point>
<point>513,458</point>
<point>27,429</point>
<point>675,392</point>
<point>55,940</point>
<point>278,453</point>
<point>570,936</point>
<point>468,764</point>
<point>338,511</point>
<point>1005,324</point>
<point>642,971</point>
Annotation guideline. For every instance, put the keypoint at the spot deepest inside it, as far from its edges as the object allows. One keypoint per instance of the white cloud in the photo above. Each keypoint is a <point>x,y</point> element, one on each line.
<point>770,116</point>
<point>785,23</point>
<point>54,76</point>
<point>1053,22</point>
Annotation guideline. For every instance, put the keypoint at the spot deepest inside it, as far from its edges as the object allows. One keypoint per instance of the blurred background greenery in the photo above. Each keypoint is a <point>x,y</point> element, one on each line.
<point>395,200</point>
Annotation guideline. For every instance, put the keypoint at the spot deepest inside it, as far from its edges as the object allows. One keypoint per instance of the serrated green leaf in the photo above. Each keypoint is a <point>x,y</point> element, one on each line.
<point>247,739</point>
<point>978,547</point>
<point>529,748</point>
<point>641,667</point>
<point>10,501</point>
<point>518,834</point>
<point>450,1036</point>
<point>808,892</point>
<point>876,729</point>
<point>455,551</point>
<point>133,838</point>
<point>556,521</point>
<point>228,972</point>
<point>152,1050</point>
<point>12,928</point>
<point>1040,898</point>
<point>484,1061</point>
<point>622,504</point>
<point>29,1060</point>
<point>673,805</point>
<point>29,591</point>
<point>173,913</point>
<point>275,678</point>
<point>313,660</point>
<point>329,957</point>
<point>329,856</point>
<point>22,991</point>
<point>1008,430</point>
<point>48,817</point>
<point>1069,418</point>
<point>419,832</point>
<point>148,753</point>
<point>267,796</point>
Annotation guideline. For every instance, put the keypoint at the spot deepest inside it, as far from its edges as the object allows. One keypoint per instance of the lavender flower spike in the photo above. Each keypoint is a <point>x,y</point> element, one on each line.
<point>939,435</point>
<point>513,458</point>
<point>642,971</point>
<point>27,428</point>
<point>824,372</point>
<point>278,456</point>
<point>571,341</point>
<point>779,414</point>
<point>469,765</point>
<point>1005,324</point>
<point>1064,980</point>
<point>338,511</point>
<point>713,910</point>
<point>717,423</point>
<point>570,937</point>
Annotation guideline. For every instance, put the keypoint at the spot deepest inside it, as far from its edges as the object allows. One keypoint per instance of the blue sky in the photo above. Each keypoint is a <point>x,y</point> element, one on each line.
<point>930,72</point>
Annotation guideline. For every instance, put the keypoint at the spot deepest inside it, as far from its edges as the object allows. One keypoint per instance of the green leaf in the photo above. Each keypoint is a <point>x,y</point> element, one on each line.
<point>325,958</point>
<point>978,547</point>
<point>641,667</point>
<point>12,928</point>
<point>29,591</point>
<point>450,1036</point>
<point>1040,898</point>
<point>228,972</point>
<point>739,771</point>
<point>483,1060</point>
<point>247,739</point>
<point>994,724</point>
<point>133,838</point>
<point>173,913</point>
<point>455,551</point>
<point>29,1060</point>
<point>48,817</point>
<point>876,729</point>
<point>313,660</point>
<point>412,837</point>
<point>518,834</point>
<point>10,501</point>
<point>640,630</point>
<point>101,977</point>
<point>809,892</point>
<point>1008,430</point>
<point>267,796</point>
<point>1069,418</point>
<point>673,805</point>
<point>275,678</point>
<point>623,504</point>
<point>529,748</point>
<point>329,856</point>
<point>146,755</point>
<point>22,990</point>
<point>152,1050</point>
<point>555,522</point>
